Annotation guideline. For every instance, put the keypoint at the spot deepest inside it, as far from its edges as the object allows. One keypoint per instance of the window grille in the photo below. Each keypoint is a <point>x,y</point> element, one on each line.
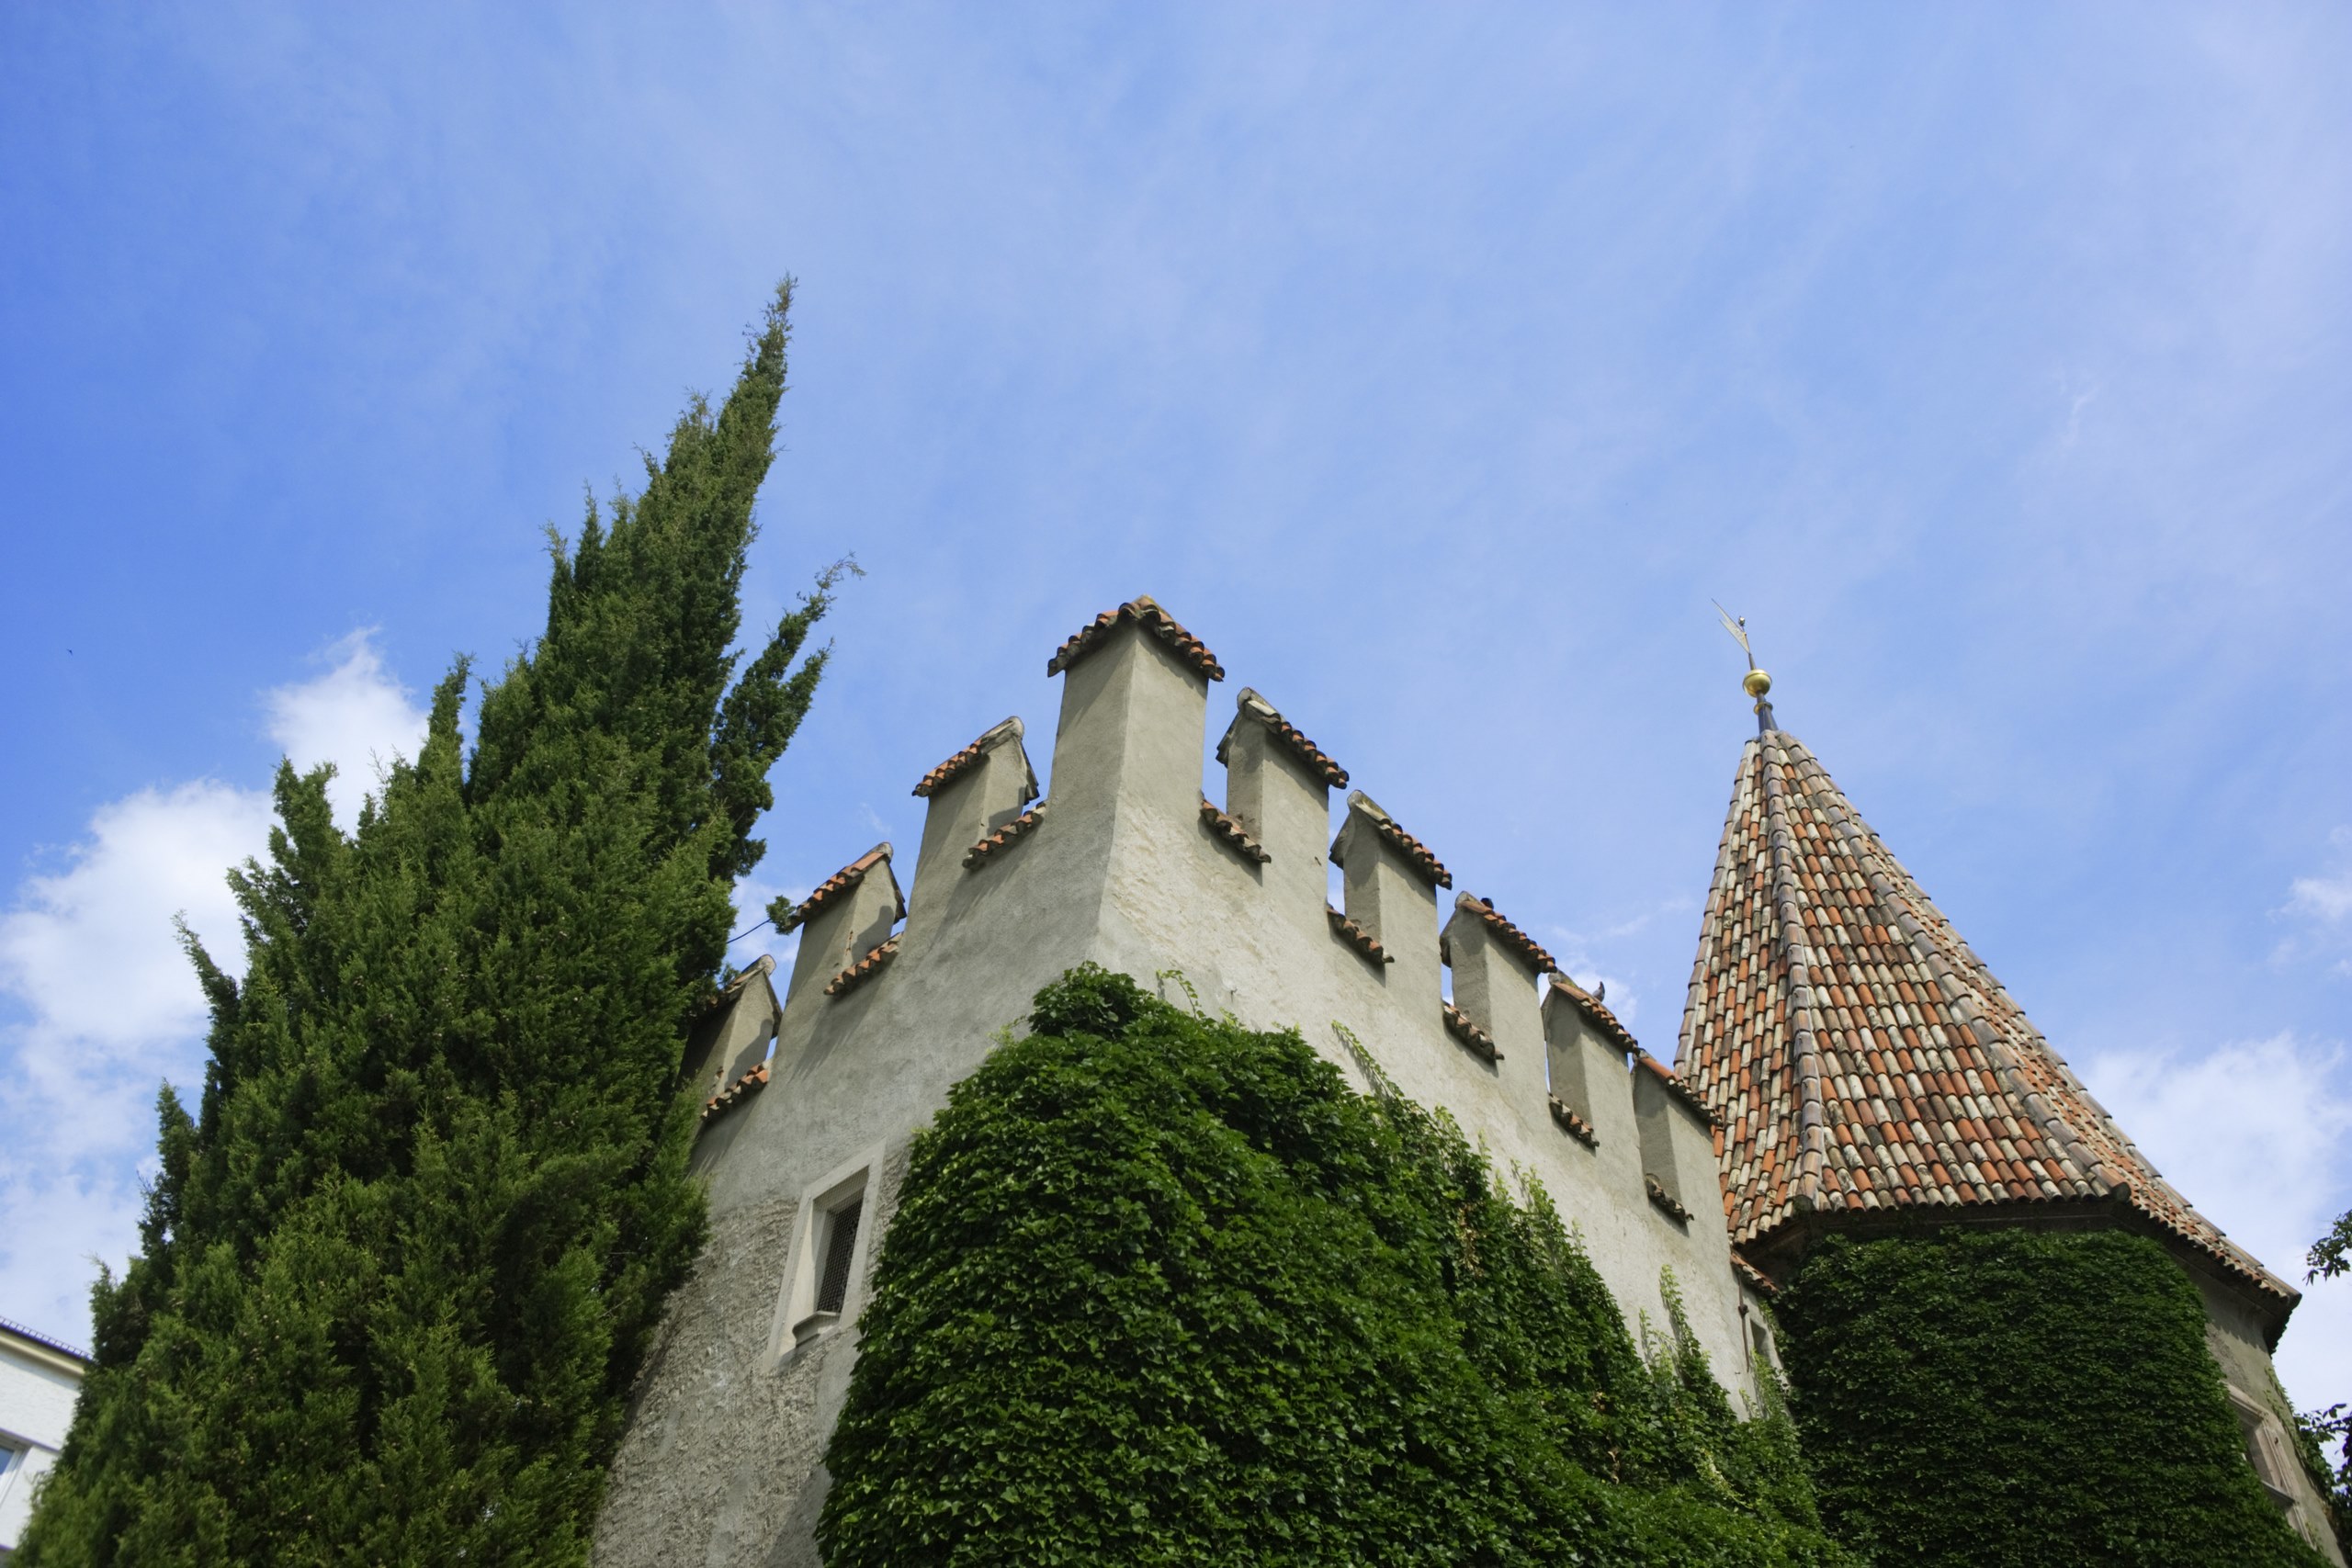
<point>841,1242</point>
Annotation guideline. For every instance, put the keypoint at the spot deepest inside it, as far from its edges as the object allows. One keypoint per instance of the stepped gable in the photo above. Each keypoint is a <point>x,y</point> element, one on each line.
<point>1317,761</point>
<point>1858,1056</point>
<point>835,885</point>
<point>1145,612</point>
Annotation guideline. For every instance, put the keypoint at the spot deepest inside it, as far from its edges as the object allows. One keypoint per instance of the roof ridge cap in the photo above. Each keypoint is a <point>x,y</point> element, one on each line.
<point>1805,1050</point>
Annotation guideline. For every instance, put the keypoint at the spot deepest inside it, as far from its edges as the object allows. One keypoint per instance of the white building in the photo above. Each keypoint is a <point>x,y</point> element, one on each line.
<point>40,1379</point>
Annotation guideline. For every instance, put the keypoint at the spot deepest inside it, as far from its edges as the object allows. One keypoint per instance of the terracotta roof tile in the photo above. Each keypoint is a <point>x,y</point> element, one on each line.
<point>1144,612</point>
<point>1026,823</point>
<point>1755,1278</point>
<point>1665,1200</point>
<point>1249,705</point>
<point>835,885</point>
<point>1511,936</point>
<point>1458,1025</point>
<point>877,959</point>
<point>1575,1126</point>
<point>1417,854</point>
<point>964,762</point>
<point>1231,833</point>
<point>734,1094</point>
<point>1355,936</point>
<point>1599,1015</point>
<point>1858,1055</point>
<point>1644,1062</point>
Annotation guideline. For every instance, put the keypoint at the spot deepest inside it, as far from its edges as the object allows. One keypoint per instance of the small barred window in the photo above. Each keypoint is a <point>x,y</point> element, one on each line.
<point>840,1246</point>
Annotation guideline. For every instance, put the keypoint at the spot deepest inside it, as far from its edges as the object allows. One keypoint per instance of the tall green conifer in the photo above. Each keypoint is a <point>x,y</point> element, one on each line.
<point>399,1268</point>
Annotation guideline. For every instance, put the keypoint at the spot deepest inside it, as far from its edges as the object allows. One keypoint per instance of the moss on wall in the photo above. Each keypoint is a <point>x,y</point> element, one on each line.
<point>1162,1290</point>
<point>2005,1397</point>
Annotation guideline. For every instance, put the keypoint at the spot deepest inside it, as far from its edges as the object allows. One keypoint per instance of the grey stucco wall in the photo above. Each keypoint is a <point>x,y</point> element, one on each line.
<point>2234,1334</point>
<point>720,1464</point>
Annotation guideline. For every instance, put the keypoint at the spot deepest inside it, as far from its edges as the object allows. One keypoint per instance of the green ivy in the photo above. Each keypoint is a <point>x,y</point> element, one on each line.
<point>1164,1289</point>
<point>2004,1397</point>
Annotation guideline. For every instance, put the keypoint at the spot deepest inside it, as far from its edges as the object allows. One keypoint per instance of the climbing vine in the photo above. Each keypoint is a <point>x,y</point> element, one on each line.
<point>1992,1398</point>
<point>1164,1289</point>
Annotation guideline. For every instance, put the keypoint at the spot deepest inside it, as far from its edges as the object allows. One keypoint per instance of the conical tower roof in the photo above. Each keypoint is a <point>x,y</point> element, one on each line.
<point>1860,1059</point>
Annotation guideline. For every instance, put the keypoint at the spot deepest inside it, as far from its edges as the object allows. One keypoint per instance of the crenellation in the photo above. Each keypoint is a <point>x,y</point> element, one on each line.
<point>1495,980</point>
<point>735,1034</point>
<point>1278,787</point>
<point>1389,894</point>
<point>1134,717</point>
<point>1587,1066</point>
<point>972,794</point>
<point>850,915</point>
<point>1676,1140</point>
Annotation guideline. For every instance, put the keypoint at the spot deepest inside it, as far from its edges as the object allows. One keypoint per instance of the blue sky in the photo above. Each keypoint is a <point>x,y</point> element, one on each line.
<point>1437,365</point>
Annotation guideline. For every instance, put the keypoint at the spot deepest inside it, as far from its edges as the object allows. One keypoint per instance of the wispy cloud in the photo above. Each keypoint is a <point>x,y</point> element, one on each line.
<point>2320,908</point>
<point>1609,957</point>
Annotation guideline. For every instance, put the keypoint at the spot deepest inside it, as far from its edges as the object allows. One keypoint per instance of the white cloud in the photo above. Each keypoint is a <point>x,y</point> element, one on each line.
<point>2257,1135</point>
<point>355,715</point>
<point>106,1004</point>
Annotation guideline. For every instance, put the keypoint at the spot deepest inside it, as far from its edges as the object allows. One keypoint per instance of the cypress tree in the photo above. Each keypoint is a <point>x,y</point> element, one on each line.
<point>400,1266</point>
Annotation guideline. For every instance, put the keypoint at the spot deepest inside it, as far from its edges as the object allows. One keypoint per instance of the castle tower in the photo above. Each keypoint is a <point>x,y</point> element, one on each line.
<point>1865,1071</point>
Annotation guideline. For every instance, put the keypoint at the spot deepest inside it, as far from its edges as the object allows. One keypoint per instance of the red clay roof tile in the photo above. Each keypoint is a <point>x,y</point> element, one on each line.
<point>1231,833</point>
<point>1146,614</point>
<point>994,842</point>
<point>1513,939</point>
<point>834,887</point>
<point>1417,854</point>
<point>1823,971</point>
<point>1252,705</point>
<point>964,762</point>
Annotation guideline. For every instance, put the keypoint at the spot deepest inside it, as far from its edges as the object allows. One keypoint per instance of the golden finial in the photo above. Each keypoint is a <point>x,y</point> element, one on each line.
<point>1757,682</point>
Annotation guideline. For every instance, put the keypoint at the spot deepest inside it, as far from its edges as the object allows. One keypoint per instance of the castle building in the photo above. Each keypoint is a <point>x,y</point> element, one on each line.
<point>1845,1056</point>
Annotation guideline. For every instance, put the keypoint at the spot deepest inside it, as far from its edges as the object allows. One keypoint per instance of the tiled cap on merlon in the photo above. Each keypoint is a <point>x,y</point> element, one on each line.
<point>1860,1059</point>
<point>837,886</point>
<point>971,756</point>
<point>1145,612</point>
<point>1252,708</point>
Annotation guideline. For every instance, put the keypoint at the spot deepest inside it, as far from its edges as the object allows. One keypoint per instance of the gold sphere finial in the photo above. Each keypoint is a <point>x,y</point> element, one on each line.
<point>1755,683</point>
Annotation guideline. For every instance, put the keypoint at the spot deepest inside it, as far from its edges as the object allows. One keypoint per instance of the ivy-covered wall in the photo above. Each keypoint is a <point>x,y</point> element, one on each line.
<point>1162,1290</point>
<point>1990,1398</point>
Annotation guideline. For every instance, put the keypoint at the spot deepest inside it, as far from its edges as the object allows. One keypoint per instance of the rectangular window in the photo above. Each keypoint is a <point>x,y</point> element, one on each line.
<point>827,1251</point>
<point>2265,1447</point>
<point>841,1247</point>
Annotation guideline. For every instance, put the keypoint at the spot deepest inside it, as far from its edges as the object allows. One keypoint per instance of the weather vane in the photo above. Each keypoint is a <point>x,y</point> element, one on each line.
<point>1757,682</point>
